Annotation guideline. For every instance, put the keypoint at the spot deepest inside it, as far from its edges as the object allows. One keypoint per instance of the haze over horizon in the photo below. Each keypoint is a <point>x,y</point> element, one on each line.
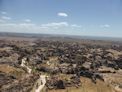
<point>71,17</point>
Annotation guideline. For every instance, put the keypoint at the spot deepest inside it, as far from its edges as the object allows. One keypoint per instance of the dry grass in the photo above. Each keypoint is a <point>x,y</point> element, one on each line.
<point>11,70</point>
<point>88,86</point>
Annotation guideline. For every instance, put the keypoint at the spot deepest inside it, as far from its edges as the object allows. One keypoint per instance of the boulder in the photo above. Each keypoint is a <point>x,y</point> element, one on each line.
<point>60,84</point>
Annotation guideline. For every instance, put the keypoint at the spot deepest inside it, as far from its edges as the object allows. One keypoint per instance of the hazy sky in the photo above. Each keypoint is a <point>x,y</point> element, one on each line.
<point>73,17</point>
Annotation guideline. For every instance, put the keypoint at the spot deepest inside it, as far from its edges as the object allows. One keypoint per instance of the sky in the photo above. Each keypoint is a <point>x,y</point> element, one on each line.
<point>71,17</point>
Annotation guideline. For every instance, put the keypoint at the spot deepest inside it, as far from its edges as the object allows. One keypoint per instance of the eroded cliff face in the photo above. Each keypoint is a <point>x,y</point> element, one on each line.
<point>60,66</point>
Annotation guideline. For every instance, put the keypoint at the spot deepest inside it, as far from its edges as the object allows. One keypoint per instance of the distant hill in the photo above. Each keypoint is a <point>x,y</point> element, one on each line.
<point>35,35</point>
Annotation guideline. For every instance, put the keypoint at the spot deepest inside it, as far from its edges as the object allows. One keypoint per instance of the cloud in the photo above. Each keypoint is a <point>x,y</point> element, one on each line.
<point>6,18</point>
<point>105,26</point>
<point>17,25</point>
<point>2,21</point>
<point>76,26</point>
<point>26,25</point>
<point>8,25</point>
<point>3,12</point>
<point>55,25</point>
<point>20,27</point>
<point>30,25</point>
<point>27,20</point>
<point>51,28</point>
<point>62,14</point>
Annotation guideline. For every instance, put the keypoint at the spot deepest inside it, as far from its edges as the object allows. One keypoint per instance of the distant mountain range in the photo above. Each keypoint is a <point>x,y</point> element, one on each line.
<point>35,35</point>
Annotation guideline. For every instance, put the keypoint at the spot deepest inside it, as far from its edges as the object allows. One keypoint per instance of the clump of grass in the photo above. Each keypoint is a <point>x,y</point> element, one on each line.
<point>17,73</point>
